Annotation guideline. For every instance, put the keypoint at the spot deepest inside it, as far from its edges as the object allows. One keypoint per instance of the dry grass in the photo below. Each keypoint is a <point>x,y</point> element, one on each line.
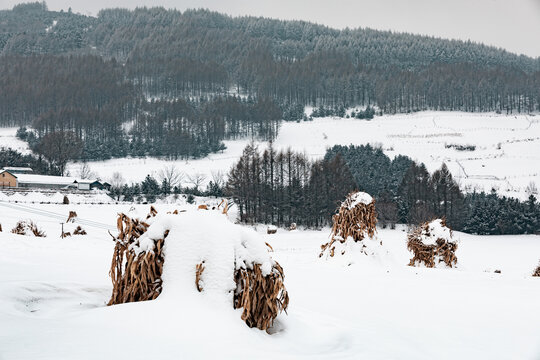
<point>261,297</point>
<point>79,231</point>
<point>28,227</point>
<point>199,269</point>
<point>71,217</point>
<point>355,222</point>
<point>428,254</point>
<point>537,271</point>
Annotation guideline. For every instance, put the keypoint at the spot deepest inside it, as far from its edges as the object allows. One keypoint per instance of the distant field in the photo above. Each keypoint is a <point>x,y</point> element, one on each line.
<point>506,155</point>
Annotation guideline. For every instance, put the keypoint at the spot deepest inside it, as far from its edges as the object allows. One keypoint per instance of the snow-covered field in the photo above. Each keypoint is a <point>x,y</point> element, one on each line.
<point>53,293</point>
<point>10,141</point>
<point>507,154</point>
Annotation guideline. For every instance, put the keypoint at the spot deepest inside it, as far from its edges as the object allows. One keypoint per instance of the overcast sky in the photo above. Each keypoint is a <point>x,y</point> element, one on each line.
<point>510,24</point>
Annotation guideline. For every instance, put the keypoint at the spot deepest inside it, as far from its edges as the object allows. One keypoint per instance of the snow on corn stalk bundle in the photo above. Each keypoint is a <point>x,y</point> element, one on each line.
<point>354,227</point>
<point>180,255</point>
<point>432,244</point>
<point>28,227</point>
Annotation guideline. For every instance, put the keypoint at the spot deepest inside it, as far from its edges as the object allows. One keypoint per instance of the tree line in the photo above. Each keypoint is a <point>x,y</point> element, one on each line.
<point>282,187</point>
<point>176,84</point>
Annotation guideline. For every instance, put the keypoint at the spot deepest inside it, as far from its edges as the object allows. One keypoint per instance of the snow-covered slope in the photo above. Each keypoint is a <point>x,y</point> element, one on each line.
<point>53,293</point>
<point>506,156</point>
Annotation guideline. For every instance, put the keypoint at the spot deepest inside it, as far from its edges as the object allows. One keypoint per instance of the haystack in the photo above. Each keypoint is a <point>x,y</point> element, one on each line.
<point>178,254</point>
<point>28,227</point>
<point>355,222</point>
<point>432,244</point>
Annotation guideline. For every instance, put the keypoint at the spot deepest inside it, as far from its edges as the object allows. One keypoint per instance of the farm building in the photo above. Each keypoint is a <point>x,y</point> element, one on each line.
<point>86,184</point>
<point>9,179</point>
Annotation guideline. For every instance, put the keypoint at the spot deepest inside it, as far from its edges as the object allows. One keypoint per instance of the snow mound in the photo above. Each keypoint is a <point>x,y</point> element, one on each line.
<point>178,255</point>
<point>357,198</point>
<point>223,247</point>
<point>435,230</point>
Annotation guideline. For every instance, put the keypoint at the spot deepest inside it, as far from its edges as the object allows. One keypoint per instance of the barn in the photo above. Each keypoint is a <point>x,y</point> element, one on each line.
<point>44,181</point>
<point>7,179</point>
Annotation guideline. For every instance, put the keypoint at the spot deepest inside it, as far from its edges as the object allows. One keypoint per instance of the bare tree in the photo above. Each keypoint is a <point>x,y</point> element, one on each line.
<point>172,175</point>
<point>60,147</point>
<point>218,178</point>
<point>196,179</point>
<point>117,182</point>
<point>531,189</point>
<point>85,172</point>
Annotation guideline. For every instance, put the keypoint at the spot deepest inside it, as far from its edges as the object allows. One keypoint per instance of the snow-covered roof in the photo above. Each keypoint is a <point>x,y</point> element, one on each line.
<point>44,179</point>
<point>86,181</point>
<point>14,168</point>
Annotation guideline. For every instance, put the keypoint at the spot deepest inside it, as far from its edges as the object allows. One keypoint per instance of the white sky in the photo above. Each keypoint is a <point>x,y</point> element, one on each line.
<point>510,24</point>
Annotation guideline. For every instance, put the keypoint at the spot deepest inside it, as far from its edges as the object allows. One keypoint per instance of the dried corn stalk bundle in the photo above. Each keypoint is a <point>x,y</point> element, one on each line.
<point>27,228</point>
<point>79,231</point>
<point>537,271</point>
<point>137,265</point>
<point>71,217</point>
<point>431,244</point>
<point>135,276</point>
<point>199,269</point>
<point>261,297</point>
<point>355,220</point>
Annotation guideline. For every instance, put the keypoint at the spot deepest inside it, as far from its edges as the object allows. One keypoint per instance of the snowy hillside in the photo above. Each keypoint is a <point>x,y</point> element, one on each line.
<point>506,156</point>
<point>53,293</point>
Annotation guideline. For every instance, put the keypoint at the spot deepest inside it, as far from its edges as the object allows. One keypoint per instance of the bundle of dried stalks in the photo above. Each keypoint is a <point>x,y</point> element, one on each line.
<point>199,269</point>
<point>226,206</point>
<point>441,248</point>
<point>135,277</point>
<point>71,217</point>
<point>79,231</point>
<point>355,219</point>
<point>537,271</point>
<point>27,227</point>
<point>261,297</point>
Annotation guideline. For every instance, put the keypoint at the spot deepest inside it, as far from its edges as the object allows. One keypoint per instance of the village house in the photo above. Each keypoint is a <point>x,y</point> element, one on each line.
<point>24,179</point>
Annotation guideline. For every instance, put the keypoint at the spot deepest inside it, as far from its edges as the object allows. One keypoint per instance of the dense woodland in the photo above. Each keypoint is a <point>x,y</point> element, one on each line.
<point>284,187</point>
<point>175,84</point>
